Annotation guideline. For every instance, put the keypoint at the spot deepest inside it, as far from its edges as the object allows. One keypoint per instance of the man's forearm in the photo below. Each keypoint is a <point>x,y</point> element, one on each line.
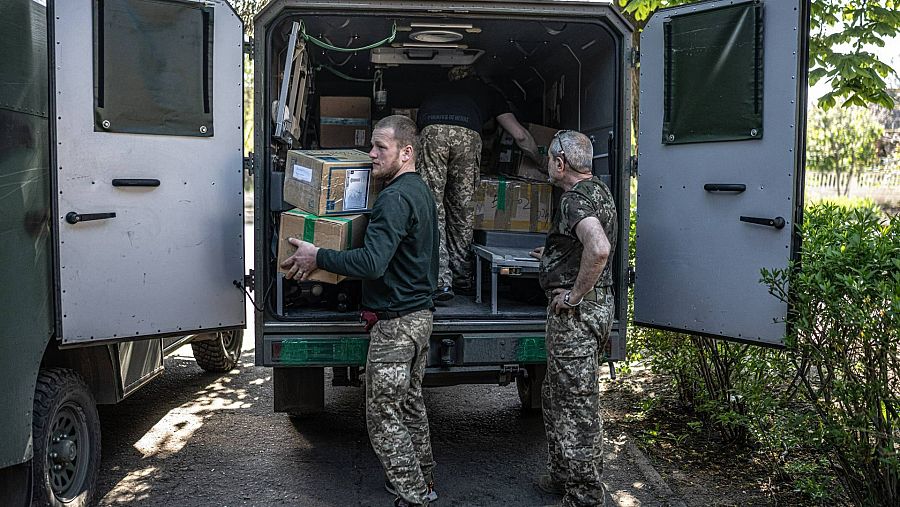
<point>592,264</point>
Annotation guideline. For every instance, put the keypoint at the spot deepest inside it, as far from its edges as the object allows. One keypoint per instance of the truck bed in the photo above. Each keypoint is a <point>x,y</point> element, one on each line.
<point>461,308</point>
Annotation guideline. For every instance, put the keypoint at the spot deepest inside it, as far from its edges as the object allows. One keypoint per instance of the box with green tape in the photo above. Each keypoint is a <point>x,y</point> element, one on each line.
<point>503,204</point>
<point>336,233</point>
<point>330,182</point>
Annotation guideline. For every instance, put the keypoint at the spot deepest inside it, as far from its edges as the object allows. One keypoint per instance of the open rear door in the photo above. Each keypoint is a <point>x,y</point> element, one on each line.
<point>149,174</point>
<point>721,144</point>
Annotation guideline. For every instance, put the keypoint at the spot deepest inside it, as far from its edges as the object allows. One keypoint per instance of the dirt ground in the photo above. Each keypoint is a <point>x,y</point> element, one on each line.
<point>196,439</point>
<point>694,461</point>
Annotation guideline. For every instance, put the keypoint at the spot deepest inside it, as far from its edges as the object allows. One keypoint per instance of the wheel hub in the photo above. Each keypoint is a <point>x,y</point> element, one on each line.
<point>63,451</point>
<point>66,470</point>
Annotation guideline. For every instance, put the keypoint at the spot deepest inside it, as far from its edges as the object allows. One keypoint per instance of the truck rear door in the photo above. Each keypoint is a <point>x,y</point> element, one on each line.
<point>148,167</point>
<point>721,145</point>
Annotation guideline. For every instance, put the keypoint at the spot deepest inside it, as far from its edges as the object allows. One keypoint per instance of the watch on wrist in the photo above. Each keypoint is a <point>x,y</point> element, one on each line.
<point>568,303</point>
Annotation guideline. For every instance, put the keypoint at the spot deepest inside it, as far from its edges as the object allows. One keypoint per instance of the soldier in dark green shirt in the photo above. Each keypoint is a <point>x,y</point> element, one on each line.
<point>578,280</point>
<point>399,265</point>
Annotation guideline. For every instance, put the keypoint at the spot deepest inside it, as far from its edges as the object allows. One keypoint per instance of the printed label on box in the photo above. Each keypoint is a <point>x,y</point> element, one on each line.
<point>302,173</point>
<point>360,137</point>
<point>356,190</point>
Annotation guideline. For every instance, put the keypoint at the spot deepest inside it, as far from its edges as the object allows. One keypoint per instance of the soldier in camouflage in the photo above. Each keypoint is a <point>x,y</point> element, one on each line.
<point>578,279</point>
<point>450,122</point>
<point>398,264</point>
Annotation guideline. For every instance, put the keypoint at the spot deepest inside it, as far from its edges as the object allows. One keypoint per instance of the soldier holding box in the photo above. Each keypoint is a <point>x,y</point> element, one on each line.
<point>398,264</point>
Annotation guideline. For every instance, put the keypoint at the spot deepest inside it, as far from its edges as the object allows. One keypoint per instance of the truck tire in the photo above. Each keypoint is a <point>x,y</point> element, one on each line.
<point>529,387</point>
<point>66,433</point>
<point>220,354</point>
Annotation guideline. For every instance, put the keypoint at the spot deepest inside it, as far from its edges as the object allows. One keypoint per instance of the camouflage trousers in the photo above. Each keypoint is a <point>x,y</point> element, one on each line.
<point>395,410</point>
<point>571,398</point>
<point>448,160</point>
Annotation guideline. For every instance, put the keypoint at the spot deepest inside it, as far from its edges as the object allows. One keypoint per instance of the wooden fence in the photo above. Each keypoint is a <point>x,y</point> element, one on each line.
<point>883,187</point>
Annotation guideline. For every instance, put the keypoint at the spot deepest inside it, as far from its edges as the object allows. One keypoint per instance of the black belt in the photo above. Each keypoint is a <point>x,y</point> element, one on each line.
<point>593,295</point>
<point>388,315</point>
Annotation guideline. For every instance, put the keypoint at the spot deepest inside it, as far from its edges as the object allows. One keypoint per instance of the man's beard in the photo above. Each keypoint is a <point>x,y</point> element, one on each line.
<point>388,174</point>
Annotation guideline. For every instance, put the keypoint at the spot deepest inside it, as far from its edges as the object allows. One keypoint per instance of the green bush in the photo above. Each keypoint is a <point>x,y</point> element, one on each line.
<point>829,400</point>
<point>844,335</point>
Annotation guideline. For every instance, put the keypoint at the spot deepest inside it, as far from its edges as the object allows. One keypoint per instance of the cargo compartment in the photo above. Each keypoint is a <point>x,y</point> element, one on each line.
<point>560,66</point>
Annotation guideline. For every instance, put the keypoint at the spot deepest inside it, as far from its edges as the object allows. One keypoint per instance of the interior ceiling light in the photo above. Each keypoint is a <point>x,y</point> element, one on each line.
<point>440,36</point>
<point>447,26</point>
<point>430,45</point>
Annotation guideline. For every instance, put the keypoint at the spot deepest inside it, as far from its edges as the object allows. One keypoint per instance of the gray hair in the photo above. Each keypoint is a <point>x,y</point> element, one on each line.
<point>575,148</point>
<point>404,129</point>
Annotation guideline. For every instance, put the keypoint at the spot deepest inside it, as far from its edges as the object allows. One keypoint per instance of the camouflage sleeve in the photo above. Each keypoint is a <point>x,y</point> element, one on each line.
<point>606,212</point>
<point>574,208</point>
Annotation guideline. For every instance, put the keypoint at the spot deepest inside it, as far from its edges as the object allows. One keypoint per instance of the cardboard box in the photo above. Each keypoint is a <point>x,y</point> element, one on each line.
<point>512,161</point>
<point>336,233</point>
<point>344,122</point>
<point>513,205</point>
<point>410,112</point>
<point>330,182</point>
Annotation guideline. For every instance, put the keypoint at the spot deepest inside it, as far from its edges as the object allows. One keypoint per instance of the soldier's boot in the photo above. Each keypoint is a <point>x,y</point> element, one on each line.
<point>432,495</point>
<point>550,486</point>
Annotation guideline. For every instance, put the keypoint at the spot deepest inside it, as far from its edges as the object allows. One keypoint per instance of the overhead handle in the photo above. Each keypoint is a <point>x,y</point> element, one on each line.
<point>74,218</point>
<point>725,187</point>
<point>135,182</point>
<point>777,222</point>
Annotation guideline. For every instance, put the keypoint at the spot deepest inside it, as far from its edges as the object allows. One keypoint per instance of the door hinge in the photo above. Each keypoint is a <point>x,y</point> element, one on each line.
<point>631,274</point>
<point>634,58</point>
<point>249,46</point>
<point>249,164</point>
<point>250,281</point>
<point>633,166</point>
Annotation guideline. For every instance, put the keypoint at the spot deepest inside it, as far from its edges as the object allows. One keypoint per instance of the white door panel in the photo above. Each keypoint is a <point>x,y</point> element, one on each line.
<point>166,261</point>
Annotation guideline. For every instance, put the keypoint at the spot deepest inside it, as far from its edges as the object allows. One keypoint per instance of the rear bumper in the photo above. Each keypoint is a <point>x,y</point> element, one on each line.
<point>447,351</point>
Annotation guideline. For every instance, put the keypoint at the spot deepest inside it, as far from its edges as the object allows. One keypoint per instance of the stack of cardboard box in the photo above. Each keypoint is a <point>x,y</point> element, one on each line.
<point>503,204</point>
<point>331,190</point>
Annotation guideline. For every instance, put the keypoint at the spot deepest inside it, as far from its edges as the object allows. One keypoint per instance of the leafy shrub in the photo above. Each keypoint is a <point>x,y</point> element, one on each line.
<point>829,400</point>
<point>844,335</point>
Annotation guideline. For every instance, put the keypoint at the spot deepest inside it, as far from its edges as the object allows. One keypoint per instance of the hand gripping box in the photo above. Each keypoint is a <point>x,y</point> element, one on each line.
<point>512,161</point>
<point>335,233</point>
<point>330,182</point>
<point>503,204</point>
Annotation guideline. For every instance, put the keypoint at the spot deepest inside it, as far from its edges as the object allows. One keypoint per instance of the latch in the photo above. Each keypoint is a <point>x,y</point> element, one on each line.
<point>634,58</point>
<point>511,271</point>
<point>633,166</point>
<point>249,164</point>
<point>249,46</point>
<point>631,275</point>
<point>250,281</point>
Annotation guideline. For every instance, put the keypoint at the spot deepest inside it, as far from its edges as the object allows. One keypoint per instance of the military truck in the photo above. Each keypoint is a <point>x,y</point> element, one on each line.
<point>719,157</point>
<point>122,165</point>
<point>120,220</point>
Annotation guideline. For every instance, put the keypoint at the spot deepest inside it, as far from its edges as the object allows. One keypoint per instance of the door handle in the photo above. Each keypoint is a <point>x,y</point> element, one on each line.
<point>777,222</point>
<point>135,182</point>
<point>725,187</point>
<point>74,218</point>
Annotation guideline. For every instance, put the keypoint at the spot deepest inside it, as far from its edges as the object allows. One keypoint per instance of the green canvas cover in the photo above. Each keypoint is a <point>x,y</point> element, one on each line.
<point>153,67</point>
<point>714,75</point>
